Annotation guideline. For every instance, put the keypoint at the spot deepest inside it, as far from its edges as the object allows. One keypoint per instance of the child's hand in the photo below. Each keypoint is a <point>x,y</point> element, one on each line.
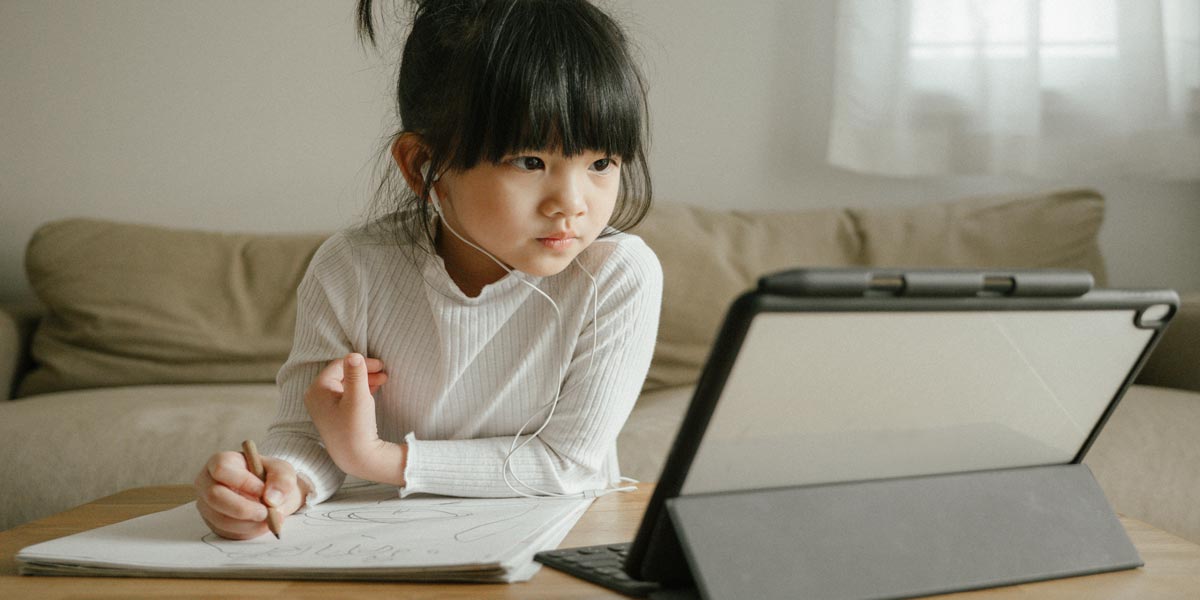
<point>228,494</point>
<point>341,406</point>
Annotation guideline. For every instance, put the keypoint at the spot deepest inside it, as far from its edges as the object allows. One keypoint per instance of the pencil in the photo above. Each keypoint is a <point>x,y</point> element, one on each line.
<point>254,461</point>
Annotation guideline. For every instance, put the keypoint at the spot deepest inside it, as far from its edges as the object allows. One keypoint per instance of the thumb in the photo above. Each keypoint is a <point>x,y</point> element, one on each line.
<point>355,374</point>
<point>282,488</point>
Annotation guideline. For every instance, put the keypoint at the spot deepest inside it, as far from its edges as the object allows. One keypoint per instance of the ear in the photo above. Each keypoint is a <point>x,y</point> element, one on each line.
<point>410,155</point>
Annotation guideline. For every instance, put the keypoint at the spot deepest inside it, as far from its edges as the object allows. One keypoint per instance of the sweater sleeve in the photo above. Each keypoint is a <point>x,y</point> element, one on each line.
<point>326,319</point>
<point>601,385</point>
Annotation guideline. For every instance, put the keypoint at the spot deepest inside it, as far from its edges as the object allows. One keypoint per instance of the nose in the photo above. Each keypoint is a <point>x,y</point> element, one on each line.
<point>567,198</point>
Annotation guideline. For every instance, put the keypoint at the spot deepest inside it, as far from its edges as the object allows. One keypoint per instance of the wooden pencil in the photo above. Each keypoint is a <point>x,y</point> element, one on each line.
<point>254,461</point>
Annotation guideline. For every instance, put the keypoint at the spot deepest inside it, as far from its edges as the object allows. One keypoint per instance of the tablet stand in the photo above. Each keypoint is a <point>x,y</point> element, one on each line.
<point>902,537</point>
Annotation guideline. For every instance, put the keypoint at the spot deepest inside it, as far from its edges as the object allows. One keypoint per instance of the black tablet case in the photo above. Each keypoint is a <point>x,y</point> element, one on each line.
<point>894,537</point>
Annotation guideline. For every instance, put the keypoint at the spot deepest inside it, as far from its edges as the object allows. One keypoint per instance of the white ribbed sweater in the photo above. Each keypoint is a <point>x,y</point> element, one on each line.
<point>465,373</point>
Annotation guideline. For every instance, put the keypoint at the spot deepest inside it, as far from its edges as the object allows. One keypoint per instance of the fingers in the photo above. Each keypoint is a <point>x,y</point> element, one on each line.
<point>376,379</point>
<point>229,469</point>
<point>374,365</point>
<point>282,489</point>
<point>228,513</point>
<point>355,376</point>
<point>335,367</point>
<point>232,505</point>
<point>333,377</point>
<point>228,527</point>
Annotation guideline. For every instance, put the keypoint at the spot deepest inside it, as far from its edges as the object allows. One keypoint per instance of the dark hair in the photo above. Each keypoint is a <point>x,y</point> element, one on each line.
<point>482,79</point>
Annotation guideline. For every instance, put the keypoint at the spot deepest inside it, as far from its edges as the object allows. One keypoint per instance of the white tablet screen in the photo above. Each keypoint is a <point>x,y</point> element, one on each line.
<point>829,397</point>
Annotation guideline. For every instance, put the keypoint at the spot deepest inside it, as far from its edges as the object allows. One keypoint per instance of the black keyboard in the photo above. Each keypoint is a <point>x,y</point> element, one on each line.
<point>601,565</point>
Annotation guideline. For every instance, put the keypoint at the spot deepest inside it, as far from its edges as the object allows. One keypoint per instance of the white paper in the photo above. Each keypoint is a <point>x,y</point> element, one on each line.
<point>366,533</point>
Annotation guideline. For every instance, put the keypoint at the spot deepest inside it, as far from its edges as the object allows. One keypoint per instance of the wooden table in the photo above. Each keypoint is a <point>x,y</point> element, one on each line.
<point>1172,564</point>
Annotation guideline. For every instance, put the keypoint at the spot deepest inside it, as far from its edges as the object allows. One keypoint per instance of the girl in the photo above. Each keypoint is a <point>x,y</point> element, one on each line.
<point>508,321</point>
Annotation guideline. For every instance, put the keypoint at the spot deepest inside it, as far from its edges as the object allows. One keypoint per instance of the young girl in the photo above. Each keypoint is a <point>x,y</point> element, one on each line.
<point>487,336</point>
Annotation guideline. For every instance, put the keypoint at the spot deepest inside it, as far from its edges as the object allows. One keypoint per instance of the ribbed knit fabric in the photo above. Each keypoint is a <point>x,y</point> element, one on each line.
<point>464,374</point>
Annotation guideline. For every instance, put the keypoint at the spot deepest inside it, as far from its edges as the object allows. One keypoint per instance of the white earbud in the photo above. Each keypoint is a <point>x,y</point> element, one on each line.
<point>437,207</point>
<point>437,204</point>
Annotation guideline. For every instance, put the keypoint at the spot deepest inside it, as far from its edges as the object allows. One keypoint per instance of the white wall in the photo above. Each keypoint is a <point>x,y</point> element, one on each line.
<point>265,116</point>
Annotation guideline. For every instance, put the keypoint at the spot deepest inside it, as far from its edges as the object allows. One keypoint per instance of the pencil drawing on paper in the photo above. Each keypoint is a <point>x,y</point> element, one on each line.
<point>390,513</point>
<point>384,529</point>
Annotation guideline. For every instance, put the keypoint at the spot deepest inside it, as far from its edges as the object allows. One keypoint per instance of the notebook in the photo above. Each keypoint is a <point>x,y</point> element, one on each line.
<point>364,532</point>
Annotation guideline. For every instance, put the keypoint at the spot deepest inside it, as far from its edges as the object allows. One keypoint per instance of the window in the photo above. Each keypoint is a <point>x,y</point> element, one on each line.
<point>948,29</point>
<point>1037,87</point>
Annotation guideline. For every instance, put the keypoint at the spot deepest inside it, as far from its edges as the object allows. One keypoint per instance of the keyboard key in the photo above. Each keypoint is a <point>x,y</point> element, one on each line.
<point>603,565</point>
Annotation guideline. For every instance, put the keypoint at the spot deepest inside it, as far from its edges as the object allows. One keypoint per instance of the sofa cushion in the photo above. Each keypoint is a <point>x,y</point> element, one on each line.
<point>709,257</point>
<point>646,438</point>
<point>1053,230</point>
<point>136,304</point>
<point>63,449</point>
<point>1145,458</point>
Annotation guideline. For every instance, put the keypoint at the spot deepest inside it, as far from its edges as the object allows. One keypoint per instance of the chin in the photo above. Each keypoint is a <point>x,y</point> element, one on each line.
<point>547,268</point>
<point>546,271</point>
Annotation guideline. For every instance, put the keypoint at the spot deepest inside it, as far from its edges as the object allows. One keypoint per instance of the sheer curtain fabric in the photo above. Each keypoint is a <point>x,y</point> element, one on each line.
<point>1044,88</point>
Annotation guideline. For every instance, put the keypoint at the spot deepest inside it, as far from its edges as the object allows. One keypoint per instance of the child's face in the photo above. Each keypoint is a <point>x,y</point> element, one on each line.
<point>535,211</point>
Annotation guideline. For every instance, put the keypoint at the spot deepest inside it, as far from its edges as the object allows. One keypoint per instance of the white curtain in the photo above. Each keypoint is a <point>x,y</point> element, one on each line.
<point>1045,88</point>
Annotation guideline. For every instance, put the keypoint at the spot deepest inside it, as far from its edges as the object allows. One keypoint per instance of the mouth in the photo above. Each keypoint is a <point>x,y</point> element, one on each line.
<point>558,241</point>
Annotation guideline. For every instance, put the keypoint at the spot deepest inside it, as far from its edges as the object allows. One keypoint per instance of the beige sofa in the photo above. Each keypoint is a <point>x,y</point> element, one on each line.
<point>151,348</point>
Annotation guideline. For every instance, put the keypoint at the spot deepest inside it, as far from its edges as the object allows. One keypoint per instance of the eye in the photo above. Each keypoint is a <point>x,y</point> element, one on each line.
<point>604,165</point>
<point>527,163</point>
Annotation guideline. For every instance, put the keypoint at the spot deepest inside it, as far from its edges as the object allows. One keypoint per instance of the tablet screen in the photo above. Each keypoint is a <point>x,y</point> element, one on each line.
<point>827,397</point>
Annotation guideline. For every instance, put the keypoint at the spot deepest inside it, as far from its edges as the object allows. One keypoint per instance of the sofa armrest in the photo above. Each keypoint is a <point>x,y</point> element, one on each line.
<point>18,320</point>
<point>1176,360</point>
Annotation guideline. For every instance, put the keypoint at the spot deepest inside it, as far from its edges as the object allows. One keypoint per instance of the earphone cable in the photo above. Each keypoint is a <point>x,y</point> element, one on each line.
<point>506,467</point>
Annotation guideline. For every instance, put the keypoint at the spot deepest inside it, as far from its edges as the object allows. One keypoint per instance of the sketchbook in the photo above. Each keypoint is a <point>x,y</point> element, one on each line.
<point>366,533</point>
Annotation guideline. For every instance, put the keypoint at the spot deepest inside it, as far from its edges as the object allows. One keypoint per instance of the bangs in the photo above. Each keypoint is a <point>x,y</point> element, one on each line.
<point>482,80</point>
<point>548,78</point>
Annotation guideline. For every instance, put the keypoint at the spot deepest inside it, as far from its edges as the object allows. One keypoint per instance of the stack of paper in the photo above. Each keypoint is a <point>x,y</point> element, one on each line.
<point>365,533</point>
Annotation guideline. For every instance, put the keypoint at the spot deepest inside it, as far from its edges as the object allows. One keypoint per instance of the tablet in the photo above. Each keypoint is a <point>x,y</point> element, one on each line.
<point>821,376</point>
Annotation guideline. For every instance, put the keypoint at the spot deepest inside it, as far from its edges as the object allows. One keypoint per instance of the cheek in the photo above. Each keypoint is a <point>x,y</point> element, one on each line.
<point>490,205</point>
<point>606,201</point>
<point>494,222</point>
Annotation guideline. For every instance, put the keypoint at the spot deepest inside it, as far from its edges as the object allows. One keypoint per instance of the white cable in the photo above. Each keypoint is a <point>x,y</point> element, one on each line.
<point>513,448</point>
<point>506,468</point>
